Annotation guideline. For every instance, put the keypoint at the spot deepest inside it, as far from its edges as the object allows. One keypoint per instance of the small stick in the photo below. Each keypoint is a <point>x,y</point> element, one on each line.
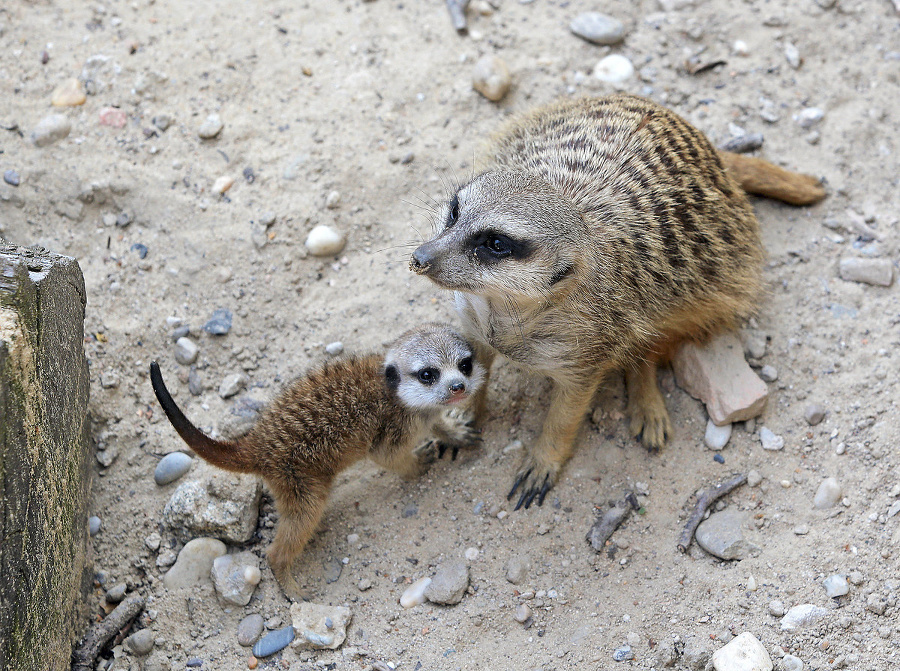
<point>705,500</point>
<point>86,654</point>
<point>458,14</point>
<point>611,520</point>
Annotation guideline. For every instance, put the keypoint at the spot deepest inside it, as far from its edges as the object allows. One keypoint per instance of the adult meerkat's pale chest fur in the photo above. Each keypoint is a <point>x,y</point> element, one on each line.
<point>604,232</point>
<point>398,409</point>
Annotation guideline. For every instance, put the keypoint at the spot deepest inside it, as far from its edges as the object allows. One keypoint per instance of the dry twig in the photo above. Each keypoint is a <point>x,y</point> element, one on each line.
<point>609,521</point>
<point>458,13</point>
<point>704,501</point>
<point>86,654</point>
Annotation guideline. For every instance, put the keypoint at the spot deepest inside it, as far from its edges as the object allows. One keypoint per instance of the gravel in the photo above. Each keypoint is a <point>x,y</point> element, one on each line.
<point>94,525</point>
<point>814,414</point>
<point>334,348</point>
<point>11,177</point>
<point>836,585</point>
<point>325,241</point>
<point>232,385</point>
<point>802,616</point>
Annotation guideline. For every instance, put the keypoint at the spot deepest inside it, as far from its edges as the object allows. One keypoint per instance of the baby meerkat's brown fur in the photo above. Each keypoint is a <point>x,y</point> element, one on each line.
<point>605,232</point>
<point>382,407</point>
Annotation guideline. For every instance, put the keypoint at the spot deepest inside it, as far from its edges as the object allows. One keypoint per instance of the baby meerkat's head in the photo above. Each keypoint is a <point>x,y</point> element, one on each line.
<point>504,235</point>
<point>432,366</point>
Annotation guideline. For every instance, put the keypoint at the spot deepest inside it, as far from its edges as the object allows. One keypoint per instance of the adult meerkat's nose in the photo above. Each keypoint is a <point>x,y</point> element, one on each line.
<point>422,259</point>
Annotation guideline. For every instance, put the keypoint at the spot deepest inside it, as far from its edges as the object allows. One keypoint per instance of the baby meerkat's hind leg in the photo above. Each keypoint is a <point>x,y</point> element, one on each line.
<point>541,466</point>
<point>298,519</point>
<point>646,408</point>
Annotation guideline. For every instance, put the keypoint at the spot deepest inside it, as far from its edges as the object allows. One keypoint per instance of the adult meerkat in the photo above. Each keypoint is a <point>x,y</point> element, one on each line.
<point>604,233</point>
<point>381,407</point>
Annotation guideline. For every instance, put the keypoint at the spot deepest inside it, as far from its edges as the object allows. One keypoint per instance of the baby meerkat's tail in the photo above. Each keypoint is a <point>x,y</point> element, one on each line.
<point>765,179</point>
<point>225,455</point>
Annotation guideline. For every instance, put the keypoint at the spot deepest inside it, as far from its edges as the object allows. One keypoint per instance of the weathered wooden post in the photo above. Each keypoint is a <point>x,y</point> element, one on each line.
<point>44,459</point>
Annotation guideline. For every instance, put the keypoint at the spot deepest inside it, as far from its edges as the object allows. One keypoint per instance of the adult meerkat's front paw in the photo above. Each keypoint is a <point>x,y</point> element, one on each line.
<point>534,479</point>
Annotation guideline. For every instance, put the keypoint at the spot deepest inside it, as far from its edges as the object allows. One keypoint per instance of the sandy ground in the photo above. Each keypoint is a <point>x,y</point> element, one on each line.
<point>374,100</point>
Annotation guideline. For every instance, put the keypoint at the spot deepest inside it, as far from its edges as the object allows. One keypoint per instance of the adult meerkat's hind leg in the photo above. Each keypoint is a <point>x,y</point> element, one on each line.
<point>649,418</point>
<point>541,466</point>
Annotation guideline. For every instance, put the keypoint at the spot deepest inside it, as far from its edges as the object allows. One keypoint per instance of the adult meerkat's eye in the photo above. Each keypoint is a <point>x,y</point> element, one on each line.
<point>465,366</point>
<point>454,211</point>
<point>490,246</point>
<point>428,376</point>
<point>498,245</point>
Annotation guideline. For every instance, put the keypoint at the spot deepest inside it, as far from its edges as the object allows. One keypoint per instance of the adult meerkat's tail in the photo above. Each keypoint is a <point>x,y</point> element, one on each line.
<point>226,455</point>
<point>765,179</point>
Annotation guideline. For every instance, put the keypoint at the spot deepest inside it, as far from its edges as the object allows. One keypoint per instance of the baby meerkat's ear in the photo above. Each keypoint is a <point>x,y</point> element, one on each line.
<point>392,376</point>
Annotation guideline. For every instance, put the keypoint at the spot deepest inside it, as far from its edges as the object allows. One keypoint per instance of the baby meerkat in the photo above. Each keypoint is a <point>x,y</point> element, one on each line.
<point>401,410</point>
<point>605,232</point>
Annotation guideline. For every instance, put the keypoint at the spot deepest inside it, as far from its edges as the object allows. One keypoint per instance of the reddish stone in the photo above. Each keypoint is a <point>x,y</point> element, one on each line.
<point>113,117</point>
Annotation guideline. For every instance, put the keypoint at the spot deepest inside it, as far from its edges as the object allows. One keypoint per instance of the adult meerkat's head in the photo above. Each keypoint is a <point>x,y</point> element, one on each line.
<point>504,235</point>
<point>432,367</point>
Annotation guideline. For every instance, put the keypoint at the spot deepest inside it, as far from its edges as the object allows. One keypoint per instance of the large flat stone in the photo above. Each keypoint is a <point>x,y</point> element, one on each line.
<point>44,460</point>
<point>717,374</point>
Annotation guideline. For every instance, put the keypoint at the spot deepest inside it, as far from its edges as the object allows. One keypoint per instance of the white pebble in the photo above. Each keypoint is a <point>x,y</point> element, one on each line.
<point>792,55</point>
<point>828,493</point>
<point>716,437</point>
<point>801,616</point>
<point>809,117</point>
<point>753,478</point>
<point>333,200</point>
<point>751,584</point>
<point>614,69</point>
<point>415,593</point>
<point>186,351</point>
<point>523,612</point>
<point>334,348</point>
<point>740,48</point>
<point>471,554</point>
<point>770,441</point>
<point>223,183</point>
<point>768,373</point>
<point>743,652</point>
<point>836,585</point>
<point>325,241</point>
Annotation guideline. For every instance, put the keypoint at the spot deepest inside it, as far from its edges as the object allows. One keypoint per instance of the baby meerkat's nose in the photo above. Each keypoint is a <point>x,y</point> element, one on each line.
<point>457,388</point>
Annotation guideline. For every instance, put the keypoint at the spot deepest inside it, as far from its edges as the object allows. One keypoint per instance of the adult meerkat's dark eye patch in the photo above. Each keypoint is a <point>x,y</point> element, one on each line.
<point>491,246</point>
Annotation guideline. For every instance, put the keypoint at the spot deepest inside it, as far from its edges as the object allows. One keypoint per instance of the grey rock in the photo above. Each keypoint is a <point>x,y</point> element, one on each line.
<point>333,569</point>
<point>364,584</point>
<point>50,129</point>
<point>186,351</point>
<point>769,440</point>
<point>517,568</point>
<point>219,323</point>
<point>879,272</point>
<point>195,382</point>
<point>523,613</point>
<point>163,121</point>
<point>116,593</point>
<point>235,577</point>
<point>273,642</point>
<point>11,177</point>
<point>318,626</point>
<point>233,384</point>
<point>828,494</point>
<point>140,642</point>
<point>449,584</point>
<point>171,467</point>
<point>814,414</point>
<point>194,563</point>
<point>94,525</point>
<point>181,332</point>
<point>696,653</point>
<point>410,510</point>
<point>836,585</point>
<point>211,127</point>
<point>107,457</point>
<point>721,535</point>
<point>623,653</point>
<point>802,616</point>
<point>716,437</point>
<point>241,418</point>
<point>217,504</point>
<point>598,28</point>
<point>267,219</point>
<point>744,143</point>
<point>123,219</point>
<point>856,578</point>
<point>776,608</point>
<point>249,630</point>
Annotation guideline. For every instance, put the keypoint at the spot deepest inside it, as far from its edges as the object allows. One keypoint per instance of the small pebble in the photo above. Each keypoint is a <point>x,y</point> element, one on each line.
<point>744,143</point>
<point>598,28</point>
<point>721,535</point>
<point>252,663</point>
<point>801,529</point>
<point>50,129</point>
<point>449,584</point>
<point>740,48</point>
<point>836,585</point>
<point>523,613</point>
<point>181,332</point>
<point>614,69</point>
<point>116,593</point>
<point>112,117</point>
<point>814,414</point>
<point>11,177</point>
<point>68,94</point>
<point>186,351</point>
<point>415,593</point>
<point>716,437</point>
<point>410,510</point>
<point>769,440</point>
<point>768,373</point>
<point>222,184</point>
<point>123,219</point>
<point>333,569</point>
<point>753,478</point>
<point>334,348</point>
<point>517,569</point>
<point>364,584</point>
<point>776,608</point>
<point>171,467</point>
<point>267,219</point>
<point>194,663</point>
<point>219,323</point>
<point>232,385</point>
<point>333,200</point>
<point>751,584</point>
<point>792,55</point>
<point>878,272</point>
<point>140,642</point>
<point>163,121</point>
<point>273,642</point>
<point>491,78</point>
<point>93,525</point>
<point>828,494</point>
<point>153,541</point>
<point>802,616</point>
<point>211,127</point>
<point>141,249</point>
<point>809,117</point>
<point>623,654</point>
<point>718,458</point>
<point>194,563</point>
<point>856,578</point>
<point>325,241</point>
<point>791,663</point>
<point>471,554</point>
<point>235,577</point>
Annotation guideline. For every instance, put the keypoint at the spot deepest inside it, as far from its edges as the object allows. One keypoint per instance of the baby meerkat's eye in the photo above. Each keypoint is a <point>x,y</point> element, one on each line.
<point>465,366</point>
<point>428,376</point>
<point>454,211</point>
